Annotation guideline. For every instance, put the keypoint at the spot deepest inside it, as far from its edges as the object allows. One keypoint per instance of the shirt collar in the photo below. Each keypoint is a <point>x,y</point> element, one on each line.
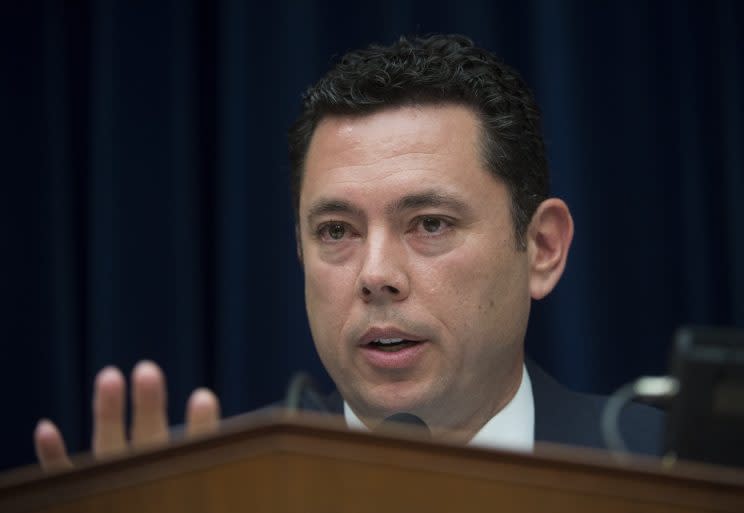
<point>513,427</point>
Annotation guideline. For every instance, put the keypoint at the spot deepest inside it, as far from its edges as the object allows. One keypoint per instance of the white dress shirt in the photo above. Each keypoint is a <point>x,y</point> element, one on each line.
<point>511,428</point>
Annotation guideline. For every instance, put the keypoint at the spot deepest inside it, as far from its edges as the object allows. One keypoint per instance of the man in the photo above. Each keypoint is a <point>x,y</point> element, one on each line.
<point>425,229</point>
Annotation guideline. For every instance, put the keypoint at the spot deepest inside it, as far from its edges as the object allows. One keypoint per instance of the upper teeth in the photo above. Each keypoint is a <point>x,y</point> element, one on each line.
<point>389,340</point>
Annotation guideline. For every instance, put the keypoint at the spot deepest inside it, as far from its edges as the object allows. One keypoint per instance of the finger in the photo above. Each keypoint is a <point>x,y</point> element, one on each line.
<point>202,413</point>
<point>109,436</point>
<point>50,447</point>
<point>149,419</point>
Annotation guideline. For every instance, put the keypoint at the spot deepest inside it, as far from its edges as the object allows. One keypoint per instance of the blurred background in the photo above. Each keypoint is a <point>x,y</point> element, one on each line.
<point>145,206</point>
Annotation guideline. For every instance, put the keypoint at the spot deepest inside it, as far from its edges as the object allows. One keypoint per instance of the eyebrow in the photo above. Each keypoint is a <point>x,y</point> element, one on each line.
<point>430,198</point>
<point>332,206</point>
<point>424,199</point>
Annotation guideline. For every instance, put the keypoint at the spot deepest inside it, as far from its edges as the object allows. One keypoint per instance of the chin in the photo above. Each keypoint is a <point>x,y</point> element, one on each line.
<point>387,399</point>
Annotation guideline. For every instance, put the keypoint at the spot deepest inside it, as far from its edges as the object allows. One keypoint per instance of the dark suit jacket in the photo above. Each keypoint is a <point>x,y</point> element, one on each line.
<point>567,417</point>
<point>564,416</point>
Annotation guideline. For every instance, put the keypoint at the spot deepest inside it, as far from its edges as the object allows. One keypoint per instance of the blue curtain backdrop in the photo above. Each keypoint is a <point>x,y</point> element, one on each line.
<point>146,213</point>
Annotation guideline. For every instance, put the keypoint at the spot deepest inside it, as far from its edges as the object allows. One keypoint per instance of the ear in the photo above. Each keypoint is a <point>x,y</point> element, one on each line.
<point>298,241</point>
<point>548,239</point>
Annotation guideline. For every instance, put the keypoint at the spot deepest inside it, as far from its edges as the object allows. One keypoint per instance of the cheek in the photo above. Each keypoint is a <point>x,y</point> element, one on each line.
<point>460,276</point>
<point>328,296</point>
<point>471,291</point>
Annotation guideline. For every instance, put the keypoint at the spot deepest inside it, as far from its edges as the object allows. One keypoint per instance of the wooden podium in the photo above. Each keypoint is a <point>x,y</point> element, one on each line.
<point>292,463</point>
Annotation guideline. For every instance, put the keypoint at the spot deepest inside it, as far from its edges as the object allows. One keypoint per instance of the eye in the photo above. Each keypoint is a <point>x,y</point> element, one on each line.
<point>332,231</point>
<point>336,231</point>
<point>431,225</point>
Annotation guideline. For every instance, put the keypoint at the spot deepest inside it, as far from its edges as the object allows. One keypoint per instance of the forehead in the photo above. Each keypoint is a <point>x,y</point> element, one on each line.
<point>428,145</point>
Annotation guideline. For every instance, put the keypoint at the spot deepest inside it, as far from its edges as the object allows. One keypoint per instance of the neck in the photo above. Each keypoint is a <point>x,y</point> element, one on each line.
<point>464,431</point>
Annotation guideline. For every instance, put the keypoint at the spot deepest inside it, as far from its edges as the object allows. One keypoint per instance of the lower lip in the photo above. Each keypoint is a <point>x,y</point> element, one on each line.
<point>402,359</point>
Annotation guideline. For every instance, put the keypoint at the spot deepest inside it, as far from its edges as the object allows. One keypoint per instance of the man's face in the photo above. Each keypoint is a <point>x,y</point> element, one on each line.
<point>405,235</point>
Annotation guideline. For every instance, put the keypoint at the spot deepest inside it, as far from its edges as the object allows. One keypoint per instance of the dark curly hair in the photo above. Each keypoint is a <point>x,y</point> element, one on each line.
<point>434,70</point>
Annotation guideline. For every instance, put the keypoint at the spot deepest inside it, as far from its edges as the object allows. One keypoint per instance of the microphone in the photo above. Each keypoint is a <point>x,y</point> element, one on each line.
<point>405,418</point>
<point>301,391</point>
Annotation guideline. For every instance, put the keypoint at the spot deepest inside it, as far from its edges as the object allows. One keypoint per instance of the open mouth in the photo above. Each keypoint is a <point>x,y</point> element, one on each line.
<point>391,345</point>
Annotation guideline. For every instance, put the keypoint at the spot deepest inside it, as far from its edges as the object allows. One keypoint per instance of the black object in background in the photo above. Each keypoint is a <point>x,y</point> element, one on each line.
<point>706,419</point>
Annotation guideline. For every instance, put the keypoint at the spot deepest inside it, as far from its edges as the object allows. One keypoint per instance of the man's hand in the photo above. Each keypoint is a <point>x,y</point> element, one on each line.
<point>149,421</point>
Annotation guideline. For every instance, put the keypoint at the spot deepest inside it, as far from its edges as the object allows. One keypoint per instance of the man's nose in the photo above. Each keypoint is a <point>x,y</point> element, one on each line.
<point>384,274</point>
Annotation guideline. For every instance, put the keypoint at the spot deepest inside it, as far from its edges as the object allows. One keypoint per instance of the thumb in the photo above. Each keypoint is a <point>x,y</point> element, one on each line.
<point>50,447</point>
